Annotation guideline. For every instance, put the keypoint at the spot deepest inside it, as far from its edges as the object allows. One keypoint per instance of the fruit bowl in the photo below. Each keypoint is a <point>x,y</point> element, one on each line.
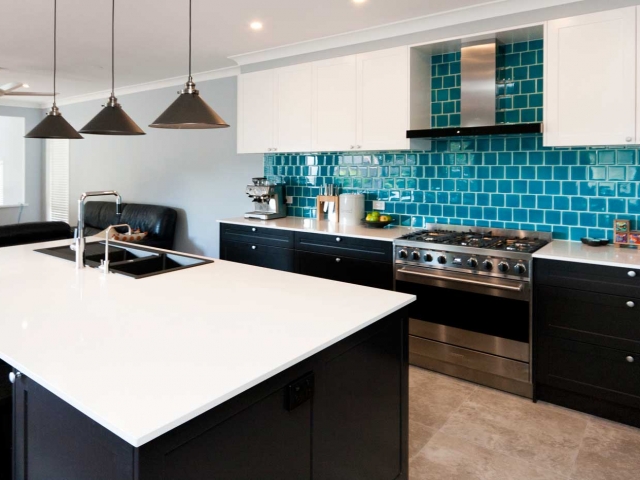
<point>376,224</point>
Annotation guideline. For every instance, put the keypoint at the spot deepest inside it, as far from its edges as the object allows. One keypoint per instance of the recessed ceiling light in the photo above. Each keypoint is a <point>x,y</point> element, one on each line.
<point>256,25</point>
<point>359,1</point>
<point>25,85</point>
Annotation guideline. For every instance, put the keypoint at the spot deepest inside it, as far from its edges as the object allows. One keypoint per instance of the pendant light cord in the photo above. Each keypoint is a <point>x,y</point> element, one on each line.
<point>113,47</point>
<point>190,19</point>
<point>55,49</point>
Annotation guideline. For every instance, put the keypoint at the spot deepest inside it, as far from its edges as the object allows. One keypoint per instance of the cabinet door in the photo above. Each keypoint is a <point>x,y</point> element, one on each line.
<point>383,99</point>
<point>6,420</point>
<point>256,108</point>
<point>345,269</point>
<point>590,79</point>
<point>293,108</point>
<point>334,104</point>
<point>258,255</point>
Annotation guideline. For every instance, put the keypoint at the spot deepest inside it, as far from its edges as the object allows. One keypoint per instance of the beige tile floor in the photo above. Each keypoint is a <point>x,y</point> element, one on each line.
<point>461,431</point>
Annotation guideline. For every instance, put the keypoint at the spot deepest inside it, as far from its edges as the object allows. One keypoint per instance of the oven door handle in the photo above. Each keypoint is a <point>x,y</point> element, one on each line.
<point>510,288</point>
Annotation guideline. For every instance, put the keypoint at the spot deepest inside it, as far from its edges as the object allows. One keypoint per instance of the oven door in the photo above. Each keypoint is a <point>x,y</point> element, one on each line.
<point>481,313</point>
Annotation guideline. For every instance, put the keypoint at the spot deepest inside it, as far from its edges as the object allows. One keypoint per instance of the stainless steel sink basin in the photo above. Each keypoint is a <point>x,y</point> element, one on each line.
<point>135,262</point>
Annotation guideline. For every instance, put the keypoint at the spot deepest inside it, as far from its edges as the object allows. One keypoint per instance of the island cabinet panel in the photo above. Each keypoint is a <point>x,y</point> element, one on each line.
<point>587,340</point>
<point>54,441</point>
<point>6,421</point>
<point>340,414</point>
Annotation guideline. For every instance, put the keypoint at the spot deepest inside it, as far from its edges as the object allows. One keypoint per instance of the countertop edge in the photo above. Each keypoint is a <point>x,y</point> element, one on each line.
<point>138,442</point>
<point>576,252</point>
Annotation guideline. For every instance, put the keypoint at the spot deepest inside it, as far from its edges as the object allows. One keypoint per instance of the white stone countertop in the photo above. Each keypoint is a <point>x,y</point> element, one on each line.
<point>312,225</point>
<point>141,357</point>
<point>607,255</point>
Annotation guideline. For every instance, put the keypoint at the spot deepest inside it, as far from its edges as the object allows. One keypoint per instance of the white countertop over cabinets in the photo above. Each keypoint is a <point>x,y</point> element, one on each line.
<point>141,357</point>
<point>608,255</point>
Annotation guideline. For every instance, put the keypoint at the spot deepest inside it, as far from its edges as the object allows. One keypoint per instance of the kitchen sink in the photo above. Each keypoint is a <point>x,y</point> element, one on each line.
<point>135,262</point>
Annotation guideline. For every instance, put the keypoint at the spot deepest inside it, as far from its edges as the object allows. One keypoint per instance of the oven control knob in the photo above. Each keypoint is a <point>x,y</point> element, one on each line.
<point>403,254</point>
<point>428,257</point>
<point>488,265</point>
<point>472,262</point>
<point>503,267</point>
<point>520,269</point>
<point>442,259</point>
<point>415,255</point>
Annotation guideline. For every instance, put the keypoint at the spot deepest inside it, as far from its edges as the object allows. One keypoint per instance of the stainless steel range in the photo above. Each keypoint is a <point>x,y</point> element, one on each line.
<point>472,317</point>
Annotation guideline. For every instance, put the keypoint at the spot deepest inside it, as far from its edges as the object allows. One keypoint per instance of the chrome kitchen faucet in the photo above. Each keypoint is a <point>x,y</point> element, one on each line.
<point>80,243</point>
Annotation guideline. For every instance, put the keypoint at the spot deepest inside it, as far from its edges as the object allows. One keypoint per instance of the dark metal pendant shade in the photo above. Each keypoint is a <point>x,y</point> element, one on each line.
<point>189,111</point>
<point>54,126</point>
<point>112,120</point>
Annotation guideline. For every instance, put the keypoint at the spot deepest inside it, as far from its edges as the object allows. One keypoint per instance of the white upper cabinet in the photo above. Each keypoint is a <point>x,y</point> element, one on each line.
<point>256,110</point>
<point>590,79</point>
<point>293,108</point>
<point>334,104</point>
<point>383,100</point>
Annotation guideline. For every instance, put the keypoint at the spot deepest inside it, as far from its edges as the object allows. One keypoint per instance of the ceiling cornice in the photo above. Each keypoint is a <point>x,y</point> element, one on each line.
<point>155,85</point>
<point>490,9</point>
<point>7,102</point>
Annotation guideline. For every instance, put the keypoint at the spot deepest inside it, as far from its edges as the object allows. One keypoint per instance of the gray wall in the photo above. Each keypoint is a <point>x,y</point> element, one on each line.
<point>34,169</point>
<point>195,171</point>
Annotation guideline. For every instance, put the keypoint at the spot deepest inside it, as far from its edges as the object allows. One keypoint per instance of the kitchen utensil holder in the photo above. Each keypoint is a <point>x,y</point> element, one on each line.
<point>320,202</point>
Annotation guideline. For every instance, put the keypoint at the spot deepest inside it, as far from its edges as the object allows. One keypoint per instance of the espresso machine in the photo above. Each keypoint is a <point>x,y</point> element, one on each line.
<point>269,200</point>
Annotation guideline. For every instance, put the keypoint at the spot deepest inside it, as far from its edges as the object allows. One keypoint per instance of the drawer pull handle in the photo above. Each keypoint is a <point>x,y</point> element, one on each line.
<point>14,376</point>
<point>630,359</point>
<point>253,229</point>
<point>631,274</point>
<point>630,304</point>
<point>337,260</point>
<point>338,239</point>
<point>253,247</point>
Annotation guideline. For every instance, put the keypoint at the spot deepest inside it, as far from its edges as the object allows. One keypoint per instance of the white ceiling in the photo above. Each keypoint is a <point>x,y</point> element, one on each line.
<point>151,35</point>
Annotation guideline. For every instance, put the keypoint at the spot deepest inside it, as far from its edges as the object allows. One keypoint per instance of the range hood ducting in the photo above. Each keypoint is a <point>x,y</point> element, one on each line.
<point>478,98</point>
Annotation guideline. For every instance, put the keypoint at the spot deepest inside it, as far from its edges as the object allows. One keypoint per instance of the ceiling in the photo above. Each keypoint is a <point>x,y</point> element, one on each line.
<point>151,35</point>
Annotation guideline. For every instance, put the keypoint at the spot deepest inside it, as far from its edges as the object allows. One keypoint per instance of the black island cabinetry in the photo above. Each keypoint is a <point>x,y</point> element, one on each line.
<point>340,414</point>
<point>333,257</point>
<point>587,338</point>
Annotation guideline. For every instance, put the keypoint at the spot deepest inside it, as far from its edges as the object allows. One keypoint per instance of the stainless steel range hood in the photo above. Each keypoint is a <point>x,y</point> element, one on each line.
<point>478,97</point>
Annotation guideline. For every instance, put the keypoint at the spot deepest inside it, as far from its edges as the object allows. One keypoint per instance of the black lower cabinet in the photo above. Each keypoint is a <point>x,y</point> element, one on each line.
<point>258,255</point>
<point>6,421</point>
<point>341,414</point>
<point>586,340</point>
<point>345,269</point>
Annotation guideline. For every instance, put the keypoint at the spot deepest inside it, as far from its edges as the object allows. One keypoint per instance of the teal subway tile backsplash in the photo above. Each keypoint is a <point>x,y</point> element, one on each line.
<point>499,182</point>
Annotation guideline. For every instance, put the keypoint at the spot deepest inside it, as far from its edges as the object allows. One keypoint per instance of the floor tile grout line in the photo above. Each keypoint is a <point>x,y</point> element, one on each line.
<point>575,460</point>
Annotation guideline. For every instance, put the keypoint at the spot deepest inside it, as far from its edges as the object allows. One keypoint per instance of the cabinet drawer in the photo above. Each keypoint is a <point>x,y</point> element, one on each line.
<point>592,278</point>
<point>608,320</point>
<point>593,371</point>
<point>258,255</point>
<point>345,269</point>
<point>376,250</point>
<point>256,235</point>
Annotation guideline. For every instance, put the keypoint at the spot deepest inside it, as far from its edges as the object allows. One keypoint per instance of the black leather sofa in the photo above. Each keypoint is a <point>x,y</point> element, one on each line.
<point>34,232</point>
<point>158,221</point>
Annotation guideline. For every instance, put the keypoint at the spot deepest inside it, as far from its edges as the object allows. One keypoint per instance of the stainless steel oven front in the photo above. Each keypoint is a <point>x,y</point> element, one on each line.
<point>475,327</point>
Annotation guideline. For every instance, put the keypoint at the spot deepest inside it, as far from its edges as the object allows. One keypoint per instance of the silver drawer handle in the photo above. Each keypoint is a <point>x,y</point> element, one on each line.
<point>338,239</point>
<point>631,274</point>
<point>253,229</point>
<point>630,304</point>
<point>630,359</point>
<point>253,247</point>
<point>519,288</point>
<point>337,260</point>
<point>14,376</point>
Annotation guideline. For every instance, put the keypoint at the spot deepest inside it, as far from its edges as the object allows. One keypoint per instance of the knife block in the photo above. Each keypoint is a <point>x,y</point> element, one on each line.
<point>320,202</point>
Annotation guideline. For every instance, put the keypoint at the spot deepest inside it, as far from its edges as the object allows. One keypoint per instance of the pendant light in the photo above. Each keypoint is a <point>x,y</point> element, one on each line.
<point>189,110</point>
<point>112,119</point>
<point>54,125</point>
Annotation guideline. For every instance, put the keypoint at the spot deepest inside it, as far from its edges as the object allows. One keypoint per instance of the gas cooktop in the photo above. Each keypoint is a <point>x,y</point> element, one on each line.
<point>500,241</point>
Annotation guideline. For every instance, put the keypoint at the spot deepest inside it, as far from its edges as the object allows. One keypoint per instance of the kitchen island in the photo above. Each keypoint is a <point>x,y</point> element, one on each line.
<point>217,371</point>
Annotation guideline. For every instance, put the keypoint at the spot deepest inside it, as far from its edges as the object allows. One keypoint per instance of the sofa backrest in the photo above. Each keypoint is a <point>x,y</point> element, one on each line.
<point>159,221</point>
<point>33,232</point>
